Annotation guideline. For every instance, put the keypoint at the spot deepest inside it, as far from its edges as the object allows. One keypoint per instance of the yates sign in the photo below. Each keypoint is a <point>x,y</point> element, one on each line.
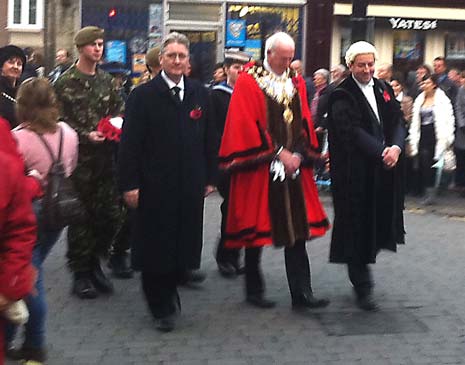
<point>416,24</point>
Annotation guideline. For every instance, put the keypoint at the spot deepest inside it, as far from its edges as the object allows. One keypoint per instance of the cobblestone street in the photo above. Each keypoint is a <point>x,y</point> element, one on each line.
<point>420,290</point>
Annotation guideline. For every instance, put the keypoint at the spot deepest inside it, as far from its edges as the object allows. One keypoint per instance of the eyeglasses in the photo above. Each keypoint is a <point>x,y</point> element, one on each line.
<point>173,56</point>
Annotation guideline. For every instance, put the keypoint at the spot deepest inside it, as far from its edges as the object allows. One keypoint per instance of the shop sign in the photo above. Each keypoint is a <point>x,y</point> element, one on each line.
<point>235,33</point>
<point>414,24</point>
<point>115,51</point>
<point>254,47</point>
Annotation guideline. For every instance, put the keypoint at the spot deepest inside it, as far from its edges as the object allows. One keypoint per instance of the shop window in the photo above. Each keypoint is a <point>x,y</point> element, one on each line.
<point>260,22</point>
<point>193,11</point>
<point>345,43</point>
<point>455,46</point>
<point>25,14</point>
<point>409,51</point>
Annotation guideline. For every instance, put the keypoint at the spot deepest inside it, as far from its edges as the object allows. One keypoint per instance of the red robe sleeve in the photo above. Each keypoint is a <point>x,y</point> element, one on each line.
<point>17,231</point>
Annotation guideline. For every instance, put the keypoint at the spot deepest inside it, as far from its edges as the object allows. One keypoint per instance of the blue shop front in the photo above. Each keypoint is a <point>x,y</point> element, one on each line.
<point>132,27</point>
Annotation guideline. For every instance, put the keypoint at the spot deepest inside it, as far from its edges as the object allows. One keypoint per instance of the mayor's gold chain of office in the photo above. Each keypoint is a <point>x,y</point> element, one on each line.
<point>268,81</point>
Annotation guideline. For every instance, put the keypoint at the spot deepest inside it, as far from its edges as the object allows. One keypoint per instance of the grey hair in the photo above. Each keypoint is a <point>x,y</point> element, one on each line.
<point>174,37</point>
<point>323,72</point>
<point>275,39</point>
<point>359,48</point>
<point>341,68</point>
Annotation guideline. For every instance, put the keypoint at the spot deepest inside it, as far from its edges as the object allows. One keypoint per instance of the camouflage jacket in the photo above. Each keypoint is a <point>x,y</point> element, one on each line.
<point>86,99</point>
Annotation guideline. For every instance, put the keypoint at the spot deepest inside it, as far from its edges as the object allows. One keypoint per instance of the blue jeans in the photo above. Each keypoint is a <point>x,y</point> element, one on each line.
<point>34,335</point>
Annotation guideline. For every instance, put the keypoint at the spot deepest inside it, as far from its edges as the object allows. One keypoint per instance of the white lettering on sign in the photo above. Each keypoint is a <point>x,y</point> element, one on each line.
<point>399,23</point>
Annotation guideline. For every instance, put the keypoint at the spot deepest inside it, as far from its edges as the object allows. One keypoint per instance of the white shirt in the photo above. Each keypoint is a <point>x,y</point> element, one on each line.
<point>172,84</point>
<point>369,92</point>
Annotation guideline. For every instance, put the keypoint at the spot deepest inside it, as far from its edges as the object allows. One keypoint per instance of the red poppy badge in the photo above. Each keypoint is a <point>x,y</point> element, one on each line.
<point>386,96</point>
<point>196,113</point>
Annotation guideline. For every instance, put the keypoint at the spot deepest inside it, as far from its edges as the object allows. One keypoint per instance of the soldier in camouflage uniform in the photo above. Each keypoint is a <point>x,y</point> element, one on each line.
<point>87,95</point>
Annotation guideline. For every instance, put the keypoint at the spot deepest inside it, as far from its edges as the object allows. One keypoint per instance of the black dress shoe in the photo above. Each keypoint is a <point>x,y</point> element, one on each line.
<point>165,324</point>
<point>100,280</point>
<point>240,270</point>
<point>193,277</point>
<point>83,287</point>
<point>120,267</point>
<point>260,302</point>
<point>227,270</point>
<point>309,301</point>
<point>367,303</point>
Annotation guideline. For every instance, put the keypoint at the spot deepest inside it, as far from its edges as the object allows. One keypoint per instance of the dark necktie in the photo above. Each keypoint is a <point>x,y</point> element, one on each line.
<point>175,91</point>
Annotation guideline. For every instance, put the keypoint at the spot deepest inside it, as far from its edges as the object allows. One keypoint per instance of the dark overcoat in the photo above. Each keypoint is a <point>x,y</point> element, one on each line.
<point>368,198</point>
<point>168,151</point>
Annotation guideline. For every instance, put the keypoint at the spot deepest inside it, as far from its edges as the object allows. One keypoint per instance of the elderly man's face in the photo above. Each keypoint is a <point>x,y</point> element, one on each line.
<point>319,80</point>
<point>363,67</point>
<point>61,57</point>
<point>280,57</point>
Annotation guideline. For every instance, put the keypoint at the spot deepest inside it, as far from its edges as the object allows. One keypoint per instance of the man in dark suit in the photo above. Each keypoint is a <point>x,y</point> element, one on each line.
<point>366,138</point>
<point>166,163</point>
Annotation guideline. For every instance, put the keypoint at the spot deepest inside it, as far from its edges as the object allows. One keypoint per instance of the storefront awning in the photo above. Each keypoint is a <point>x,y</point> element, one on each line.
<point>415,12</point>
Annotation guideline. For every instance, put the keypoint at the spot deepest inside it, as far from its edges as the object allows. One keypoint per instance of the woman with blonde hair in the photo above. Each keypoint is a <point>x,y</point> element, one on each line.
<point>37,113</point>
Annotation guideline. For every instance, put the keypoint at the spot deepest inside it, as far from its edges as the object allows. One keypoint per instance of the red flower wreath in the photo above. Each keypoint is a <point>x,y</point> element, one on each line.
<point>110,128</point>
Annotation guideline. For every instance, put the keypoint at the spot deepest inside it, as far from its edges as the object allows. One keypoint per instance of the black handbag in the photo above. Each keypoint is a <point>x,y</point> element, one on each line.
<point>60,204</point>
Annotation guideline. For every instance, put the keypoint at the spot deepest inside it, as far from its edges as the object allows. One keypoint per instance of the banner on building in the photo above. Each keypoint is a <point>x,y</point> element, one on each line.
<point>254,47</point>
<point>235,33</point>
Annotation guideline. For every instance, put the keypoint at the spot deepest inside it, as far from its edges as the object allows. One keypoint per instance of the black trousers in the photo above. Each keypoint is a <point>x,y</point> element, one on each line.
<point>460,169</point>
<point>426,154</point>
<point>225,255</point>
<point>361,278</point>
<point>297,271</point>
<point>161,293</point>
<point>254,283</point>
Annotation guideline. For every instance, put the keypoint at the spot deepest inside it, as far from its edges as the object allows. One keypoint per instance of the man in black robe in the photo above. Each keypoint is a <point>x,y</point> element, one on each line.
<point>226,259</point>
<point>366,138</point>
<point>166,163</point>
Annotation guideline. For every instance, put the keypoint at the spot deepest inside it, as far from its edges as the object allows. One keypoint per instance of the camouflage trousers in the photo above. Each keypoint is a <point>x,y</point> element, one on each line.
<point>92,238</point>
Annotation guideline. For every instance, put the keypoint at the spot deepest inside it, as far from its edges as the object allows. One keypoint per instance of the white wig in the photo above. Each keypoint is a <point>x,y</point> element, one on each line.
<point>278,38</point>
<point>358,48</point>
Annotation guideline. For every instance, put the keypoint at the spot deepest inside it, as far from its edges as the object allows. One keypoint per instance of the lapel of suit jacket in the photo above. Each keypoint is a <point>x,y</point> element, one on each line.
<point>361,96</point>
<point>380,88</point>
<point>188,90</point>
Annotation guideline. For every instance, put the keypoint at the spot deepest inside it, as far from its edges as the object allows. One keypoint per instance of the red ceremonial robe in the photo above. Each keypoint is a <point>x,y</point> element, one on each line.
<point>246,151</point>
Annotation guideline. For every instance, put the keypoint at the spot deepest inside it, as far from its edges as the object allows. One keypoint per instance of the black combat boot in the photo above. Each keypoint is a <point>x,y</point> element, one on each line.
<point>100,280</point>
<point>120,266</point>
<point>83,287</point>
